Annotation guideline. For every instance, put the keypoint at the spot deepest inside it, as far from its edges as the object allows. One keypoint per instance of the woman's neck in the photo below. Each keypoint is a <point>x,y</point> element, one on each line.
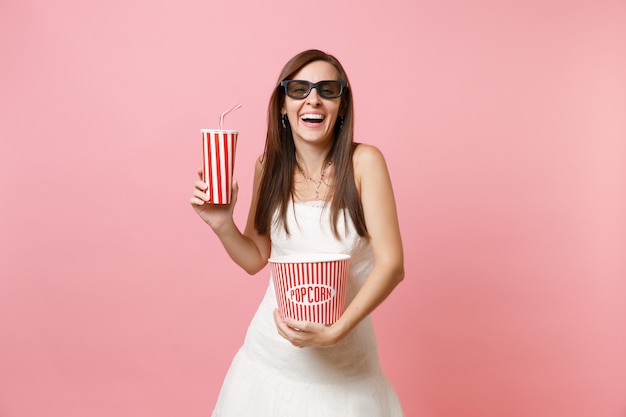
<point>312,160</point>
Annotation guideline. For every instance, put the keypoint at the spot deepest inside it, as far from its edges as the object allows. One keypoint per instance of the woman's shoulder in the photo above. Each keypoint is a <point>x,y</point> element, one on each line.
<point>260,162</point>
<point>366,156</point>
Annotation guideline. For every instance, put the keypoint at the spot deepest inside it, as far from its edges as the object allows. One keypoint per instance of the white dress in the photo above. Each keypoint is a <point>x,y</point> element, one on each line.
<point>269,377</point>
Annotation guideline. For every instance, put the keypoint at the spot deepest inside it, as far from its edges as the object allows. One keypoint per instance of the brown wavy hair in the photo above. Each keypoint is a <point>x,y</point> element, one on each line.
<point>279,158</point>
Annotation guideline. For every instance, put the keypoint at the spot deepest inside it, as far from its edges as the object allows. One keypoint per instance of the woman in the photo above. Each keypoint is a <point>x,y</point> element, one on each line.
<point>315,190</point>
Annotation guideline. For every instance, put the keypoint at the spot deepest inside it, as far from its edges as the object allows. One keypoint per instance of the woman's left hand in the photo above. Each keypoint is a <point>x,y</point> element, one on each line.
<point>304,333</point>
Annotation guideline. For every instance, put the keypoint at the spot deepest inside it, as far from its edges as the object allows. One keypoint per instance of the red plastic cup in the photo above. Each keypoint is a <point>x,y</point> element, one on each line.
<point>218,163</point>
<point>311,287</point>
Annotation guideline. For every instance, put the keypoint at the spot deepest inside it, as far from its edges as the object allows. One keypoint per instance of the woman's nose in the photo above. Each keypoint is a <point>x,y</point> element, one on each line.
<point>313,97</point>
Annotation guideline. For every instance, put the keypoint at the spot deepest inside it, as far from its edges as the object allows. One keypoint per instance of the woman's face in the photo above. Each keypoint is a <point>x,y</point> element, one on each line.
<point>313,118</point>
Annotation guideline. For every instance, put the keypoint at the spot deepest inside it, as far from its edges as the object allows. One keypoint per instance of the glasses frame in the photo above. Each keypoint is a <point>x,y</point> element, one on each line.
<point>342,86</point>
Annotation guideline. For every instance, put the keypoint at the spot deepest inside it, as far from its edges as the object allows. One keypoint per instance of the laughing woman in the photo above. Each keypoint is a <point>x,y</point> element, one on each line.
<point>315,191</point>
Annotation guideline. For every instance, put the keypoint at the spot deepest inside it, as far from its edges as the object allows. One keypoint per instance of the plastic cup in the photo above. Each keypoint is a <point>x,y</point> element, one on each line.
<point>311,287</point>
<point>218,163</point>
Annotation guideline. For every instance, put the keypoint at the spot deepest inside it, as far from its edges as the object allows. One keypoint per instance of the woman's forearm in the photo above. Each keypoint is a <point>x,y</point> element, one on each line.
<point>377,287</point>
<point>241,249</point>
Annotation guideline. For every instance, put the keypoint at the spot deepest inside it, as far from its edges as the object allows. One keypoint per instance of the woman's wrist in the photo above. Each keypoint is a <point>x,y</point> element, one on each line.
<point>225,229</point>
<point>337,331</point>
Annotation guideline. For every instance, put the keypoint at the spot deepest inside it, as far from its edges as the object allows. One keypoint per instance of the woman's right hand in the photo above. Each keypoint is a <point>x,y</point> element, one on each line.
<point>215,215</point>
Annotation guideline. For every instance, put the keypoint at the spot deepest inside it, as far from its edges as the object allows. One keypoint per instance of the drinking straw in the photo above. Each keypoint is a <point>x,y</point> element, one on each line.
<point>226,112</point>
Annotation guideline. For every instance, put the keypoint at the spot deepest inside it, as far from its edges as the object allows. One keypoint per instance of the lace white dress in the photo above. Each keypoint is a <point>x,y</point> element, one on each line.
<point>269,377</point>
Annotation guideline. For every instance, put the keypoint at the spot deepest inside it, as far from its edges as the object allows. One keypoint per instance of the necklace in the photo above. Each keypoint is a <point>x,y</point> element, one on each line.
<point>318,182</point>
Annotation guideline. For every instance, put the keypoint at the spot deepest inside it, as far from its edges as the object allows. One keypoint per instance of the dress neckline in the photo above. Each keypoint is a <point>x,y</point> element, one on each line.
<point>311,203</point>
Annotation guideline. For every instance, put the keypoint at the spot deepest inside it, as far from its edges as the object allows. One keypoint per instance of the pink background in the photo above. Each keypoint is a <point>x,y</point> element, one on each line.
<point>504,125</point>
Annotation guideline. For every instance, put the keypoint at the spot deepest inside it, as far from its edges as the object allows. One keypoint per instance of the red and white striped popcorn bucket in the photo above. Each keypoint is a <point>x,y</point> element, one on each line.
<point>311,287</point>
<point>218,163</point>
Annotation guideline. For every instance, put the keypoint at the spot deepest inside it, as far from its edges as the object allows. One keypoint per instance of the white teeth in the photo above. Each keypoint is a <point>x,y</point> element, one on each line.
<point>312,116</point>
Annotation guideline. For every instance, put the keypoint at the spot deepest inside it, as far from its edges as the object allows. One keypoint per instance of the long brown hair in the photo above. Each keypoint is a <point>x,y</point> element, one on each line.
<point>279,158</point>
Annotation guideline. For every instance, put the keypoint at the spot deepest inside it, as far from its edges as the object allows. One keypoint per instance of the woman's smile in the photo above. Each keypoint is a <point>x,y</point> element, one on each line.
<point>311,119</point>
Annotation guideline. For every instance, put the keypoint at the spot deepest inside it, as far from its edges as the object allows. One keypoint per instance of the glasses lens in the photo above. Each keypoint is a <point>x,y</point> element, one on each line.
<point>298,89</point>
<point>329,89</point>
